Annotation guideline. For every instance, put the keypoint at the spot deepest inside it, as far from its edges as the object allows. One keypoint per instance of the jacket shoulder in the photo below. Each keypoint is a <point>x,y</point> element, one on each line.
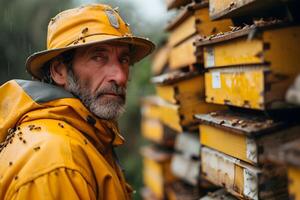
<point>41,146</point>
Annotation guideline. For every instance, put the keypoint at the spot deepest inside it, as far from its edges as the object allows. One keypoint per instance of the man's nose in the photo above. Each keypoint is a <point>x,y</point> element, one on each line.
<point>119,73</point>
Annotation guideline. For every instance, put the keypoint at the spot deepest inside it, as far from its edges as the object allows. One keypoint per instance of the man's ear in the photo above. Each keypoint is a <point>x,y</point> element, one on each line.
<point>59,73</point>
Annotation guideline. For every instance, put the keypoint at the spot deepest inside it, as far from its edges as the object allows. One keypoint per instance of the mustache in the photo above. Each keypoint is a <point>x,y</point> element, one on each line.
<point>112,89</point>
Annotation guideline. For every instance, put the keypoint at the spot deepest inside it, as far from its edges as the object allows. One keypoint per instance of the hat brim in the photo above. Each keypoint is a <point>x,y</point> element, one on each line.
<point>142,47</point>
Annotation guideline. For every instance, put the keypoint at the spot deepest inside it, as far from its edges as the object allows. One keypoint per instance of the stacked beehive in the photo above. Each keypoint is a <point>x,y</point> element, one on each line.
<point>250,69</point>
<point>227,81</point>
<point>167,117</point>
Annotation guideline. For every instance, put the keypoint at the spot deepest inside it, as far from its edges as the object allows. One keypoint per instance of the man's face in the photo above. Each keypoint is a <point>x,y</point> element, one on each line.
<point>99,78</point>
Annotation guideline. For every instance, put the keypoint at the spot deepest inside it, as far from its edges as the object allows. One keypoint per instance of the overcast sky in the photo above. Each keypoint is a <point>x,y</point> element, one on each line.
<point>153,9</point>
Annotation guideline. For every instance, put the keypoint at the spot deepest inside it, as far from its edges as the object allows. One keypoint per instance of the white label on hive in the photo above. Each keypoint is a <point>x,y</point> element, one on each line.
<point>216,80</point>
<point>251,150</point>
<point>210,58</point>
<point>250,184</point>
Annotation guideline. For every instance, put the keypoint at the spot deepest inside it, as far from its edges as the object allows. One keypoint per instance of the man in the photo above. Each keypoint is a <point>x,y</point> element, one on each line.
<point>57,134</point>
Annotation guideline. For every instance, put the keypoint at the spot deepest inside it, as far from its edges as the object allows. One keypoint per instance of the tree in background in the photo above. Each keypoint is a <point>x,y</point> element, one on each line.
<point>23,31</point>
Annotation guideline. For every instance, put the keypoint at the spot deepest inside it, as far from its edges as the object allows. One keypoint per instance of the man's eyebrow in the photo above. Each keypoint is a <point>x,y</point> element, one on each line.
<point>98,49</point>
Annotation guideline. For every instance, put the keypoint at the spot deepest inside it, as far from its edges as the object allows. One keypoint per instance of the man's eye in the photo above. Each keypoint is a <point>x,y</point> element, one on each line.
<point>125,60</point>
<point>99,58</point>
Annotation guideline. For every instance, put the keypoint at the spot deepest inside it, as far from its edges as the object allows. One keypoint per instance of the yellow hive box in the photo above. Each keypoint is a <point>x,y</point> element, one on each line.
<point>241,179</point>
<point>160,60</point>
<point>180,87</point>
<point>155,131</point>
<point>181,96</point>
<point>263,63</point>
<point>290,154</point>
<point>254,45</point>
<point>194,19</point>
<point>247,137</point>
<point>205,26</point>
<point>250,87</point>
<point>181,118</point>
<point>184,54</point>
<point>150,107</point>
<point>237,8</point>
<point>294,180</point>
<point>156,170</point>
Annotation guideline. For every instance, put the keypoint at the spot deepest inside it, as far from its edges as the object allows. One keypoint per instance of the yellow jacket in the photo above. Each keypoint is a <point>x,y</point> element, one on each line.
<point>52,147</point>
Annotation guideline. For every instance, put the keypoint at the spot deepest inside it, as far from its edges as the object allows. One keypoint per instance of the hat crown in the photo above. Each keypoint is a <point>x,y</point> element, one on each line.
<point>87,25</point>
<point>72,26</point>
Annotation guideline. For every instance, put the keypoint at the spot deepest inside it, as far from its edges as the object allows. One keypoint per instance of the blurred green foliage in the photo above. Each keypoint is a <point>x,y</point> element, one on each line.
<point>23,26</point>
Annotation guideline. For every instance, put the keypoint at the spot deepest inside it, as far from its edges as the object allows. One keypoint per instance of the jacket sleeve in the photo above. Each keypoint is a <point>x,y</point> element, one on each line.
<point>61,183</point>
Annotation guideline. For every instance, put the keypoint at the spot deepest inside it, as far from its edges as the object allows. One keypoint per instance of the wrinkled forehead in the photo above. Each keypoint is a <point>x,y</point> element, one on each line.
<point>121,48</point>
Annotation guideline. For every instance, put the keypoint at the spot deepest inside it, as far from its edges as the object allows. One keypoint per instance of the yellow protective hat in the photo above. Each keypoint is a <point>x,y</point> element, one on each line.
<point>86,25</point>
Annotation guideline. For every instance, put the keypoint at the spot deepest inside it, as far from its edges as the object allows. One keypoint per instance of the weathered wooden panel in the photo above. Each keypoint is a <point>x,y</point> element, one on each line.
<point>184,54</point>
<point>247,137</point>
<point>181,118</point>
<point>184,31</point>
<point>238,8</point>
<point>241,179</point>
<point>254,45</point>
<point>160,60</point>
<point>270,52</point>
<point>220,194</point>
<point>150,107</point>
<point>294,182</point>
<point>250,87</point>
<point>293,93</point>
<point>181,191</point>
<point>186,161</point>
<point>205,26</point>
<point>155,131</point>
<point>180,87</point>
<point>290,155</point>
<point>156,170</point>
<point>194,19</point>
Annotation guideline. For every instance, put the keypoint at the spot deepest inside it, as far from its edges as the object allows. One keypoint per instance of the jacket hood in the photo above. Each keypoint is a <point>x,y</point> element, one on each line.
<point>24,101</point>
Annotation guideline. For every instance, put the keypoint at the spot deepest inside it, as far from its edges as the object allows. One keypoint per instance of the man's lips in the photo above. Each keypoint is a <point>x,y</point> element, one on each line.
<point>112,94</point>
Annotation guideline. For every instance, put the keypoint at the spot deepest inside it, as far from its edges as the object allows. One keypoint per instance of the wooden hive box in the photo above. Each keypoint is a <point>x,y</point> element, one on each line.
<point>160,60</point>
<point>192,20</point>
<point>180,87</point>
<point>182,191</point>
<point>293,94</point>
<point>241,8</point>
<point>245,136</point>
<point>180,98</point>
<point>242,179</point>
<point>156,170</point>
<point>290,154</point>
<point>183,55</point>
<point>185,162</point>
<point>181,118</point>
<point>220,194</point>
<point>155,131</point>
<point>150,107</point>
<point>252,67</point>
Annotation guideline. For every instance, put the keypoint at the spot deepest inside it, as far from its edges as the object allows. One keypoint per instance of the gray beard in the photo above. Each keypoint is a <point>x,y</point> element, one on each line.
<point>100,106</point>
